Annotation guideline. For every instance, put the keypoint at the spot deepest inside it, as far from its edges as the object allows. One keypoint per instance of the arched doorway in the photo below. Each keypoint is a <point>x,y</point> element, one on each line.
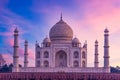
<point>61,59</point>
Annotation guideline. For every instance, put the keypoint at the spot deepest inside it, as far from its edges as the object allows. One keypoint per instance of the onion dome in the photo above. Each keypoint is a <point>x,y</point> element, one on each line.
<point>61,31</point>
<point>75,40</point>
<point>46,40</point>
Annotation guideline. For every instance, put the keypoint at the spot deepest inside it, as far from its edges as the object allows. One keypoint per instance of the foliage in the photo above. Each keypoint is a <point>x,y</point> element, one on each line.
<point>115,69</point>
<point>7,68</point>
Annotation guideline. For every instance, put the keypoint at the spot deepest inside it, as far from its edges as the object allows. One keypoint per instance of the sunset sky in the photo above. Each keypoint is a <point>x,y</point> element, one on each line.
<point>34,18</point>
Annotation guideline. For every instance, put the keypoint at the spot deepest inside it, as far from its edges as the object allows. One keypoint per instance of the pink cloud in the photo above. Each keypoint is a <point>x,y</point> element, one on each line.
<point>31,57</point>
<point>10,32</point>
<point>101,13</point>
<point>31,54</point>
<point>8,58</point>
<point>5,33</point>
<point>21,52</point>
<point>10,41</point>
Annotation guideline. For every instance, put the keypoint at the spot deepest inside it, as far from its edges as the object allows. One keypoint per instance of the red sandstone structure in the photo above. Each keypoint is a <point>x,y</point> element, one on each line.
<point>58,76</point>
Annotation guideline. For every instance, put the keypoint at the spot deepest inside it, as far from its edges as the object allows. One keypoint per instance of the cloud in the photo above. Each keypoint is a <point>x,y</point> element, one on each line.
<point>100,14</point>
<point>5,34</point>
<point>88,19</point>
<point>8,58</point>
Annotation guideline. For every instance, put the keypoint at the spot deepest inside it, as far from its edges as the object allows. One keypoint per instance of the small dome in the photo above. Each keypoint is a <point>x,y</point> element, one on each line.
<point>46,40</point>
<point>106,30</point>
<point>61,31</point>
<point>75,40</point>
<point>16,30</point>
<point>96,41</point>
<point>26,41</point>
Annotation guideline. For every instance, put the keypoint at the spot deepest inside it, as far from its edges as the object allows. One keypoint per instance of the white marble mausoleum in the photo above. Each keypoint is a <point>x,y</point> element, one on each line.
<point>61,52</point>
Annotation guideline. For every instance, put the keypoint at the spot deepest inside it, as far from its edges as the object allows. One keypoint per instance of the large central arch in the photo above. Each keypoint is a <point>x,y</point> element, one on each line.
<point>61,59</point>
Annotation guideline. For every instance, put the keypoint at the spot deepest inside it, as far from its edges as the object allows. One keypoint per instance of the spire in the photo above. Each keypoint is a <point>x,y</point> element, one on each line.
<point>106,48</point>
<point>16,53</point>
<point>85,44</point>
<point>26,54</point>
<point>61,17</point>
<point>96,63</point>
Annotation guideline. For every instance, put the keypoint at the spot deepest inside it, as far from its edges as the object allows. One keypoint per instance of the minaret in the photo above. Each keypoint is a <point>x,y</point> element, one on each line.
<point>26,54</point>
<point>16,54</point>
<point>106,48</point>
<point>96,63</point>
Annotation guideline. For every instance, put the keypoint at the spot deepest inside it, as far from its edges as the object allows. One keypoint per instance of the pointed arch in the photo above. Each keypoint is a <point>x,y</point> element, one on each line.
<point>83,64</point>
<point>76,54</point>
<point>76,64</point>
<point>46,63</point>
<point>61,59</point>
<point>46,54</point>
<point>83,54</point>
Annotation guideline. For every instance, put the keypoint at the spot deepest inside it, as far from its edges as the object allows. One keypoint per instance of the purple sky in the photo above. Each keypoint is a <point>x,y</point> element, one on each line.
<point>34,18</point>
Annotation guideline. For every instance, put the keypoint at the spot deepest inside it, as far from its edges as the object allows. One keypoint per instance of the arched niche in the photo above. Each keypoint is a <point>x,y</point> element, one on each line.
<point>61,59</point>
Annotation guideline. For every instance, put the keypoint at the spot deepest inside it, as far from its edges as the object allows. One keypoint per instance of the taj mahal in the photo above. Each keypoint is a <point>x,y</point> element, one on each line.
<point>61,52</point>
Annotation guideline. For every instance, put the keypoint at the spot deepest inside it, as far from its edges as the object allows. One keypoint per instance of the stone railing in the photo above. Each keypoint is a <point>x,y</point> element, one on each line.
<point>57,69</point>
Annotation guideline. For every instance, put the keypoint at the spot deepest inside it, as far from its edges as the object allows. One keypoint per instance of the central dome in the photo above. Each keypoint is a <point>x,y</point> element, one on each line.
<point>61,31</point>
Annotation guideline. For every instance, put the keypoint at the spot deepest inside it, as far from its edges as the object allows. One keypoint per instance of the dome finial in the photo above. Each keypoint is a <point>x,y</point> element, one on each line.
<point>96,41</point>
<point>61,16</point>
<point>16,30</point>
<point>106,30</point>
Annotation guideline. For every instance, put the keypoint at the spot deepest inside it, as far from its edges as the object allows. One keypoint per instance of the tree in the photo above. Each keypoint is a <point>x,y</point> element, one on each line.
<point>10,67</point>
<point>114,70</point>
<point>5,68</point>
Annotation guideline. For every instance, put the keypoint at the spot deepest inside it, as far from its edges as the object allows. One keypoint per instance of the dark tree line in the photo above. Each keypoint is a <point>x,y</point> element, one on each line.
<point>7,68</point>
<point>115,69</point>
